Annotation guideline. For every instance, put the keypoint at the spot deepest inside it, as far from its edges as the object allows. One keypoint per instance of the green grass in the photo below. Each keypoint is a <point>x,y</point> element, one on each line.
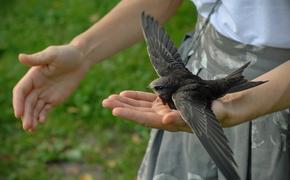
<point>80,137</point>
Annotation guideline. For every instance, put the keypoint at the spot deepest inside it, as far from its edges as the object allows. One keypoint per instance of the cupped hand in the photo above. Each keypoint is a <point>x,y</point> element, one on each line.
<point>55,72</point>
<point>146,109</point>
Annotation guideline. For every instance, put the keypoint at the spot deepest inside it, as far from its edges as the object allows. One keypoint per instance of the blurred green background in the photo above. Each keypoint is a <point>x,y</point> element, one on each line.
<point>80,140</point>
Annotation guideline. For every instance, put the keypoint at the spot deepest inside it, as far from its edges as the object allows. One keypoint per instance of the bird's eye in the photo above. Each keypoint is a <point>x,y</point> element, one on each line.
<point>158,88</point>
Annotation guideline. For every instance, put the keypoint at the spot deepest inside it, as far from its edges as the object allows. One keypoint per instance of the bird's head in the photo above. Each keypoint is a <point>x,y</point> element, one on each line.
<point>161,86</point>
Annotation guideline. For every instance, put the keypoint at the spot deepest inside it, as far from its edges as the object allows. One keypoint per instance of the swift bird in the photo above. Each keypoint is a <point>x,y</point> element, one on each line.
<point>191,95</point>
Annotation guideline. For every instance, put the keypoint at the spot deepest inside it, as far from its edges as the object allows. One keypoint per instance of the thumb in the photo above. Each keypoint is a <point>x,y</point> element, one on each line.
<point>40,58</point>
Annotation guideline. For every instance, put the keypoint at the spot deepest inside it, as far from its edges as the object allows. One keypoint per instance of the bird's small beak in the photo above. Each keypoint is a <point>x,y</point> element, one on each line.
<point>151,89</point>
<point>151,85</point>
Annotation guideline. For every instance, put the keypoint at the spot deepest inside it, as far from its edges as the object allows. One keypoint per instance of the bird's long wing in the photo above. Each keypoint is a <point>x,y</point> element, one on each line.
<point>198,115</point>
<point>162,52</point>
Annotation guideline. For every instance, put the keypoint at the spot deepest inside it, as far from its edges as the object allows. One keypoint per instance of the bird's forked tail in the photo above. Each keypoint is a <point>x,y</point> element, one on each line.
<point>238,82</point>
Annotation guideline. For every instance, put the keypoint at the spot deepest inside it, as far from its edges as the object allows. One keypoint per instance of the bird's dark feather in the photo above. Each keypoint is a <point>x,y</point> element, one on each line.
<point>193,96</point>
<point>163,54</point>
<point>207,129</point>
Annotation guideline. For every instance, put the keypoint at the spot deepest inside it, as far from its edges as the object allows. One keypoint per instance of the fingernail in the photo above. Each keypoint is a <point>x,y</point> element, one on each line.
<point>41,119</point>
<point>22,54</point>
<point>116,111</point>
<point>106,103</point>
<point>18,115</point>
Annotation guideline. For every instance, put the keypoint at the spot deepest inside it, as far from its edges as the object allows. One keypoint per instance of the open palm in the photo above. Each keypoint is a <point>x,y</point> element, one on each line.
<point>145,109</point>
<point>55,73</point>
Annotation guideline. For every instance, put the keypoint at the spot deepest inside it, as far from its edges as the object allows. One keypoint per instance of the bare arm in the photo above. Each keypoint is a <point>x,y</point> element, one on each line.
<point>120,28</point>
<point>57,70</point>
<point>232,109</point>
<point>267,98</point>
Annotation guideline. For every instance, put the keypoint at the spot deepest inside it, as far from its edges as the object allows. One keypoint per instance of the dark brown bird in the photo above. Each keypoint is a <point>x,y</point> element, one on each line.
<point>191,95</point>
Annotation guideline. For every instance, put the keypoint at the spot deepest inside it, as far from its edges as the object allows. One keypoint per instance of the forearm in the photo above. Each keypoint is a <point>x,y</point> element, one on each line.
<point>120,28</point>
<point>266,98</point>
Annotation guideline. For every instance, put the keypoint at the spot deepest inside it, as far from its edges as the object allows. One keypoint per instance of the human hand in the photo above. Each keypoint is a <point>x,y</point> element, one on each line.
<point>55,72</point>
<point>146,109</point>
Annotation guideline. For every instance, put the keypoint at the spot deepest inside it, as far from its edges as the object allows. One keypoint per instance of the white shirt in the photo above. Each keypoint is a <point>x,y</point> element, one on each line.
<point>255,22</point>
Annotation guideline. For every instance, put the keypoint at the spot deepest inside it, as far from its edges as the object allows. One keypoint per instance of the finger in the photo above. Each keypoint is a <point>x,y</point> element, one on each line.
<point>130,101</point>
<point>44,112</point>
<point>36,110</point>
<point>146,119</point>
<point>20,92</point>
<point>39,106</point>
<point>29,105</point>
<point>111,103</point>
<point>39,58</point>
<point>139,95</point>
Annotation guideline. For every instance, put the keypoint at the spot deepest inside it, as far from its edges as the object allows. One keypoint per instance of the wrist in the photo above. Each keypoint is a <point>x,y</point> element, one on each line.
<point>77,56</point>
<point>82,47</point>
<point>220,111</point>
<point>227,111</point>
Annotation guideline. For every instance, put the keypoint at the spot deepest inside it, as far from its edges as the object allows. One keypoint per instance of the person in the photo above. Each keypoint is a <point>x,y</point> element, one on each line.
<point>239,31</point>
